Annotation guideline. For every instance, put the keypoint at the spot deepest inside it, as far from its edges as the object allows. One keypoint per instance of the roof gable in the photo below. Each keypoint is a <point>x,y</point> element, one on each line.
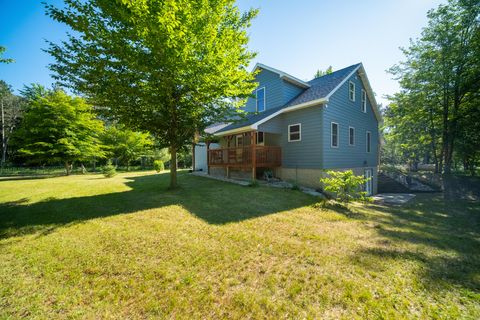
<point>319,91</point>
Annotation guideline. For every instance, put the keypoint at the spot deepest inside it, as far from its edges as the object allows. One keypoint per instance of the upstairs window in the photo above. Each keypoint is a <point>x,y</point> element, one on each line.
<point>261,99</point>
<point>369,141</point>
<point>351,91</point>
<point>294,132</point>
<point>364,101</point>
<point>351,136</point>
<point>334,135</point>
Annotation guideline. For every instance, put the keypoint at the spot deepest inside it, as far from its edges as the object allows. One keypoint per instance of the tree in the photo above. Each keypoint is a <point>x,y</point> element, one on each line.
<point>161,66</point>
<point>440,74</point>
<point>321,73</point>
<point>59,128</point>
<point>4,60</point>
<point>126,145</point>
<point>11,111</point>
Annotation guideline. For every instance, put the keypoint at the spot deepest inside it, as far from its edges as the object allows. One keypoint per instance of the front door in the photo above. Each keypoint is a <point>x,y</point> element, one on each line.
<point>368,183</point>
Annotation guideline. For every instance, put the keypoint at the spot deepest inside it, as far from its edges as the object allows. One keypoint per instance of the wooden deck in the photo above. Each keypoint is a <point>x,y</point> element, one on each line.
<point>242,157</point>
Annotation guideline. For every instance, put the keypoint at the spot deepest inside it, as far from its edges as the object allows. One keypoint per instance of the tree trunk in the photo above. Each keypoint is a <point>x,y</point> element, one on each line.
<point>4,144</point>
<point>173,168</point>
<point>67,168</point>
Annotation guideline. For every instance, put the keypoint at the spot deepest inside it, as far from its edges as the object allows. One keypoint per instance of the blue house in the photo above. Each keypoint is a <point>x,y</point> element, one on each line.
<point>296,129</point>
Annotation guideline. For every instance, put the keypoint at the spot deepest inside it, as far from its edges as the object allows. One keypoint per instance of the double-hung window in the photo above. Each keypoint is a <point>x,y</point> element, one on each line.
<point>369,141</point>
<point>364,101</point>
<point>351,136</point>
<point>351,91</point>
<point>294,132</point>
<point>334,135</point>
<point>261,99</point>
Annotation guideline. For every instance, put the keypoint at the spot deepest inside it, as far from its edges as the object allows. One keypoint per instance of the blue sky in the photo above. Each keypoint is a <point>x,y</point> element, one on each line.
<point>297,37</point>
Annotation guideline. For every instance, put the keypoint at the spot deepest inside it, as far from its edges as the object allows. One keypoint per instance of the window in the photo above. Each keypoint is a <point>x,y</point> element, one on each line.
<point>260,137</point>
<point>239,139</point>
<point>351,91</point>
<point>364,101</point>
<point>351,136</point>
<point>369,141</point>
<point>294,132</point>
<point>334,135</point>
<point>261,99</point>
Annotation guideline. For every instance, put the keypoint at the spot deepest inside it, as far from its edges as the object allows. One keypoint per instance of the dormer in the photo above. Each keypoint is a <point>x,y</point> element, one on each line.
<point>275,88</point>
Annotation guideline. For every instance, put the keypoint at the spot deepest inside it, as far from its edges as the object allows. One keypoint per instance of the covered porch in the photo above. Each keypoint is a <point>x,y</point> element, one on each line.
<point>245,151</point>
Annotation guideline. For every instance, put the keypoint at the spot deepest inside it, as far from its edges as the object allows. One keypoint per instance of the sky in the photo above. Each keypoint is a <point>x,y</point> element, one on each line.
<point>297,37</point>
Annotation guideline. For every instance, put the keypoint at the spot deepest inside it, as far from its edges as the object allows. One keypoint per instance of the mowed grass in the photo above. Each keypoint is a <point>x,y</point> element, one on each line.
<point>126,247</point>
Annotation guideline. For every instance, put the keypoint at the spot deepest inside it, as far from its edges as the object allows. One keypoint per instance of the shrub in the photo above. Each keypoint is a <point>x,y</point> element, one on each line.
<point>109,170</point>
<point>158,165</point>
<point>345,186</point>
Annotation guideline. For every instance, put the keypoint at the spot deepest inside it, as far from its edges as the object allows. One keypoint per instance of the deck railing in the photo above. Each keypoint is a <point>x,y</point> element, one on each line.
<point>266,156</point>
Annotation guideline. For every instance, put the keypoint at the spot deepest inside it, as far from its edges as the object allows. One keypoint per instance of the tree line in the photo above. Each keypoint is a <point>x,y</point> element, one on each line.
<point>49,127</point>
<point>435,118</point>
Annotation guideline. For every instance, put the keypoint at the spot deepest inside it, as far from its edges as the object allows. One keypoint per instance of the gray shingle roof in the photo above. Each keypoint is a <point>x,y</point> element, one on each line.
<point>319,88</point>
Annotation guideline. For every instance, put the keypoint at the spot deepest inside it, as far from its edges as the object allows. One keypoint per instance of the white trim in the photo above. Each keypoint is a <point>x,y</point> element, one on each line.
<point>264,99</point>
<point>324,101</point>
<point>283,75</point>
<point>263,133</point>
<point>299,132</point>
<point>366,83</point>
<point>364,101</point>
<point>289,109</point>
<point>350,91</point>
<point>366,141</point>
<point>354,134</point>
<point>331,135</point>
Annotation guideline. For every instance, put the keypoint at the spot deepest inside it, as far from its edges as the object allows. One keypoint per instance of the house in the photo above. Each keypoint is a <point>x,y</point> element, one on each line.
<point>296,129</point>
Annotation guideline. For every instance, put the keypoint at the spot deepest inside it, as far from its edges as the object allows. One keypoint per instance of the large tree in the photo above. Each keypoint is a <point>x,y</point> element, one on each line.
<point>59,128</point>
<point>168,67</point>
<point>12,108</point>
<point>439,76</point>
<point>126,145</point>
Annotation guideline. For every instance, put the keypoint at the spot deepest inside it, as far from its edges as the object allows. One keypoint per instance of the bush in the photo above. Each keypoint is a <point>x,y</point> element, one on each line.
<point>109,170</point>
<point>345,186</point>
<point>158,165</point>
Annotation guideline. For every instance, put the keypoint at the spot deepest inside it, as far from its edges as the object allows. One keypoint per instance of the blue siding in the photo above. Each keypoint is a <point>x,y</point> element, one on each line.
<point>349,114</point>
<point>290,91</point>
<point>306,153</point>
<point>273,91</point>
<point>278,92</point>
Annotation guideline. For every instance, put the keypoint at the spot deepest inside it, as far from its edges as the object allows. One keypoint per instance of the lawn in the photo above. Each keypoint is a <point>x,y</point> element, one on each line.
<point>126,247</point>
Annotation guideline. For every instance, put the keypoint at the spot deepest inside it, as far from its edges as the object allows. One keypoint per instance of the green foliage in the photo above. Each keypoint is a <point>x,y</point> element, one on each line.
<point>165,67</point>
<point>345,186</point>
<point>158,165</point>
<point>295,186</point>
<point>109,170</point>
<point>59,128</point>
<point>440,86</point>
<point>4,60</point>
<point>126,145</point>
<point>321,73</point>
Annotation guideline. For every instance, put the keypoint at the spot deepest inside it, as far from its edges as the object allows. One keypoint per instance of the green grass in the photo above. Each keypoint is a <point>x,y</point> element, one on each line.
<point>126,247</point>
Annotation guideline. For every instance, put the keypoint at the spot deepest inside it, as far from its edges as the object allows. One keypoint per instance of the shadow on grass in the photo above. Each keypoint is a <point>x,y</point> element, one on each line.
<point>443,236</point>
<point>212,201</point>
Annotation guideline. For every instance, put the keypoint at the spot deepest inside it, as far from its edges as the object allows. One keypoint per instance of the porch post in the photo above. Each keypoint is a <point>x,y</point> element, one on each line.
<point>254,155</point>
<point>208,156</point>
